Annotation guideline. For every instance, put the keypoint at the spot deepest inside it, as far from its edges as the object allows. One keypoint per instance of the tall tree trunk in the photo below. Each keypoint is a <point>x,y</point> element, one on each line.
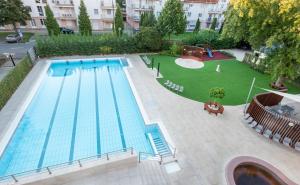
<point>15,27</point>
<point>279,81</point>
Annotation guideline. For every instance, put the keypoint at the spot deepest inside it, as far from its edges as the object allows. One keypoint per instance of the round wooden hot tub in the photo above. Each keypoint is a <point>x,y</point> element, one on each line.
<point>245,170</point>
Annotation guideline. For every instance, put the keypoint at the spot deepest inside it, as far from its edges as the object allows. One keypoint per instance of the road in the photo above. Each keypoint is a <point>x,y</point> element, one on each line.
<point>19,49</point>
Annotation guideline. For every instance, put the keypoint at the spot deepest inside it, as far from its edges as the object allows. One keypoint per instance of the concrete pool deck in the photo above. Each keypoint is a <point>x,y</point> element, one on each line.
<point>205,143</point>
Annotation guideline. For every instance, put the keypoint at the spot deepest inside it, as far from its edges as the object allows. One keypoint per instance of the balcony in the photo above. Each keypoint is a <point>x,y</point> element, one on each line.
<point>63,3</point>
<point>66,16</point>
<point>142,9</point>
<point>107,18</point>
<point>108,7</point>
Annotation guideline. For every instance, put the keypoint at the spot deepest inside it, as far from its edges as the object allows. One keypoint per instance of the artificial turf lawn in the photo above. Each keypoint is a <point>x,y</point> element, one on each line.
<point>235,77</point>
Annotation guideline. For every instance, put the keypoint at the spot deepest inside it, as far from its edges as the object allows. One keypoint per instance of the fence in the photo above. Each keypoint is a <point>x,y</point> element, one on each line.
<point>49,170</point>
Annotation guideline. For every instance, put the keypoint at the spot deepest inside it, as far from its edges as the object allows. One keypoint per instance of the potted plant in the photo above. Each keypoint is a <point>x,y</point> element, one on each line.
<point>216,93</point>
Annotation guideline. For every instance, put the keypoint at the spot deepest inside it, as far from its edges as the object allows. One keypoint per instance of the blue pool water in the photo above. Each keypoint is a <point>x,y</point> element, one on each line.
<point>81,109</point>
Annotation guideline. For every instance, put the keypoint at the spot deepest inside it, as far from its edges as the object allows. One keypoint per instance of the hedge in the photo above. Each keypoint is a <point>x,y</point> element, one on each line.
<point>210,37</point>
<point>13,79</point>
<point>89,45</point>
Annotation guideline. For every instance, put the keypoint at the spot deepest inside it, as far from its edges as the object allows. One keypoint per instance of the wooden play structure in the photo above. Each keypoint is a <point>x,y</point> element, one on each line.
<point>196,51</point>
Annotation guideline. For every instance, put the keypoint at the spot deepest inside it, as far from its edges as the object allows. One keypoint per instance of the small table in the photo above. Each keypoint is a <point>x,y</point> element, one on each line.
<point>220,109</point>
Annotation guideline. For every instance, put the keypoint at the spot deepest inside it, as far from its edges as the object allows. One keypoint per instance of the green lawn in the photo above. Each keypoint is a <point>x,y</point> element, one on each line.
<point>26,36</point>
<point>235,77</point>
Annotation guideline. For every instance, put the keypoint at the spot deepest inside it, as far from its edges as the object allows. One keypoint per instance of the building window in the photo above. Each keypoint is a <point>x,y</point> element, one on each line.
<point>40,10</point>
<point>33,23</point>
<point>38,1</point>
<point>28,8</point>
<point>96,12</point>
<point>189,14</point>
<point>190,5</point>
<point>108,12</point>
<point>44,1</point>
<point>42,22</point>
<point>200,15</point>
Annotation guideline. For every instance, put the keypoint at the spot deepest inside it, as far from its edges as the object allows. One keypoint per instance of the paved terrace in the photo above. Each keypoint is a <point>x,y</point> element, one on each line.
<point>205,143</point>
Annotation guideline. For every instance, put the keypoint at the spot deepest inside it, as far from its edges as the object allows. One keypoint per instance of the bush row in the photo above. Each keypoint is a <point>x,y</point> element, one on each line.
<point>210,37</point>
<point>99,44</point>
<point>13,79</point>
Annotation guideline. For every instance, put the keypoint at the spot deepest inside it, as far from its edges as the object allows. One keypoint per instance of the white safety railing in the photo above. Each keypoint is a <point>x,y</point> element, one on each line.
<point>53,168</point>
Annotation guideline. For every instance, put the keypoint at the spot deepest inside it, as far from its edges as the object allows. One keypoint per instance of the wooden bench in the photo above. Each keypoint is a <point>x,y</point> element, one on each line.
<point>220,109</point>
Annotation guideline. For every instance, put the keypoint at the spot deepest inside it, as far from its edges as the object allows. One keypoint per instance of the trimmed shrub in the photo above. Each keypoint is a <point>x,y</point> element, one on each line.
<point>85,45</point>
<point>210,37</point>
<point>13,79</point>
<point>176,49</point>
<point>145,41</point>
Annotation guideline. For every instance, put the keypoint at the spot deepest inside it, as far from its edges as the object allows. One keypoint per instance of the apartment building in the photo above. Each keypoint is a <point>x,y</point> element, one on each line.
<point>66,12</point>
<point>205,10</point>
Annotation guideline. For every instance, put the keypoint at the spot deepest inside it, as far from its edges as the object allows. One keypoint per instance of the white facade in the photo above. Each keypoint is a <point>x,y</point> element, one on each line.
<point>66,12</point>
<point>205,10</point>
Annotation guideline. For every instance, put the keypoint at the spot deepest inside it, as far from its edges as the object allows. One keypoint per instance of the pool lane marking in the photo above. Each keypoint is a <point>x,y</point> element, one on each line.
<point>117,109</point>
<point>40,164</point>
<point>75,120</point>
<point>97,114</point>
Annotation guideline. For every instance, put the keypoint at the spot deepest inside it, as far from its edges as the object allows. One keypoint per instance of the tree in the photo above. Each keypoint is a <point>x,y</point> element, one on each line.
<point>13,12</point>
<point>172,18</point>
<point>119,25</point>
<point>147,19</point>
<point>149,39</point>
<point>274,24</point>
<point>197,27</point>
<point>120,2</point>
<point>51,23</point>
<point>85,27</point>
<point>217,93</point>
<point>213,24</point>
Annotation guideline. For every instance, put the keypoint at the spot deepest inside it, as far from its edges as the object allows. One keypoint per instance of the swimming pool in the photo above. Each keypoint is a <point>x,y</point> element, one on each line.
<point>82,108</point>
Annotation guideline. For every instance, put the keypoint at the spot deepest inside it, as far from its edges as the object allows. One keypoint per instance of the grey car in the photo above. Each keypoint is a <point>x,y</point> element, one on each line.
<point>13,38</point>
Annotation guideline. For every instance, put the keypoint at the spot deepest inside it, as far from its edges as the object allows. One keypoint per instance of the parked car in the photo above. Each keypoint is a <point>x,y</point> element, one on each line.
<point>11,38</point>
<point>66,30</point>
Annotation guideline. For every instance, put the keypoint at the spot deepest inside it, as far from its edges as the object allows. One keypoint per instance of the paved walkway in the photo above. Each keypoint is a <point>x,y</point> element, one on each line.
<point>205,143</point>
<point>238,53</point>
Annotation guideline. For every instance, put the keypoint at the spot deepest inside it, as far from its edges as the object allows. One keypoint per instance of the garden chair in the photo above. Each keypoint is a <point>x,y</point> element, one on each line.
<point>249,120</point>
<point>297,146</point>
<point>167,82</point>
<point>268,133</point>
<point>181,88</point>
<point>253,124</point>
<point>170,84</point>
<point>173,86</point>
<point>286,141</point>
<point>246,116</point>
<point>276,137</point>
<point>259,128</point>
<point>177,88</point>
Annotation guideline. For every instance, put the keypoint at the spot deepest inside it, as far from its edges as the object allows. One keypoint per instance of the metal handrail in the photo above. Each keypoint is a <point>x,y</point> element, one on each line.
<point>153,155</point>
<point>79,162</point>
<point>174,150</point>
